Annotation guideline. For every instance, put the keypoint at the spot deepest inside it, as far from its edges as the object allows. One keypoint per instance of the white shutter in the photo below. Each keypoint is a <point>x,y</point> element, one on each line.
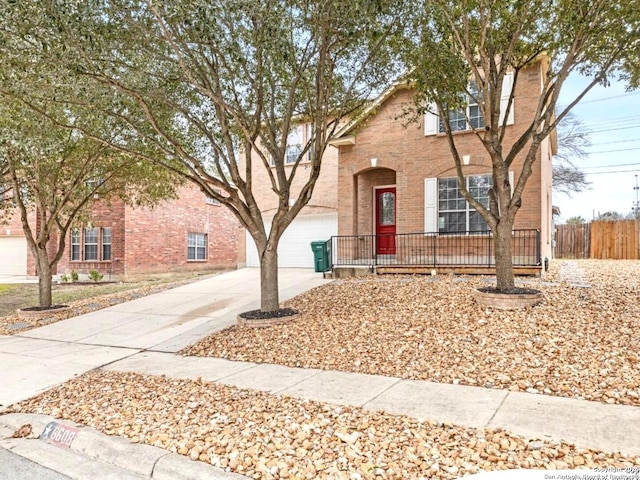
<point>431,120</point>
<point>430,204</point>
<point>511,181</point>
<point>507,87</point>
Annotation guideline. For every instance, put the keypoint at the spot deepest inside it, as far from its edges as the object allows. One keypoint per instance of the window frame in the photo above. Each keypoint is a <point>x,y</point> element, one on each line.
<point>75,242</point>
<point>104,244</point>
<point>468,210</point>
<point>293,151</point>
<point>464,115</point>
<point>78,245</point>
<point>431,118</point>
<point>193,243</point>
<point>86,244</point>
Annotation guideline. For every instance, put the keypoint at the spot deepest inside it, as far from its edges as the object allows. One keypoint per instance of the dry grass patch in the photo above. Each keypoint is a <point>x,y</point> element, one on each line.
<point>83,298</point>
<point>579,343</point>
<point>268,437</point>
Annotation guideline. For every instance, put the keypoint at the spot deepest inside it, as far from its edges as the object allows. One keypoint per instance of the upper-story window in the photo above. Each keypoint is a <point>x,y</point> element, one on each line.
<point>294,144</point>
<point>297,140</point>
<point>470,118</point>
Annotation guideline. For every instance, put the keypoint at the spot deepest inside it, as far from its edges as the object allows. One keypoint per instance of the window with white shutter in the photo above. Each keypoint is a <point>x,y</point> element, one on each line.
<point>433,124</point>
<point>447,211</point>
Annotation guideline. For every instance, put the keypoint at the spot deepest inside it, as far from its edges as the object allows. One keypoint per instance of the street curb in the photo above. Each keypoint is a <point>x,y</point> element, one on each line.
<point>140,459</point>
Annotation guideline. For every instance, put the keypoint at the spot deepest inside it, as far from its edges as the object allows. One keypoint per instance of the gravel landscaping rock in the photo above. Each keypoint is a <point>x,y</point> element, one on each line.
<point>579,343</point>
<point>265,436</point>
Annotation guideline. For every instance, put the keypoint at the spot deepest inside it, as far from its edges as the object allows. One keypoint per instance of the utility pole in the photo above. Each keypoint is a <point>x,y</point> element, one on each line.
<point>636,204</point>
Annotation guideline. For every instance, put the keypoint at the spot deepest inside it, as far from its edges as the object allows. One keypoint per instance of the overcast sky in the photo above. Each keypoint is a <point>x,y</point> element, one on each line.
<point>613,117</point>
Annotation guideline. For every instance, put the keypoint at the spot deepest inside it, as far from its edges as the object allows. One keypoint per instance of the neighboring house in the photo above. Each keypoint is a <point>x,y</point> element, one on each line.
<point>396,179</point>
<point>189,233</point>
<point>318,220</point>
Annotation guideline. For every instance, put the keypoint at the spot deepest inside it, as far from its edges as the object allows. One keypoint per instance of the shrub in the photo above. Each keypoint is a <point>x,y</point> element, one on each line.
<point>64,278</point>
<point>74,276</point>
<point>95,275</point>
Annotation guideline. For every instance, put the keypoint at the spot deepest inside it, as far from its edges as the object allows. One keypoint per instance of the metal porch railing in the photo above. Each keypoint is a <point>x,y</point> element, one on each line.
<point>432,249</point>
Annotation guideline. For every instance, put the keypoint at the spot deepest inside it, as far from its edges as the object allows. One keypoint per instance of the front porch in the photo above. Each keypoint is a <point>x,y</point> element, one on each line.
<point>460,253</point>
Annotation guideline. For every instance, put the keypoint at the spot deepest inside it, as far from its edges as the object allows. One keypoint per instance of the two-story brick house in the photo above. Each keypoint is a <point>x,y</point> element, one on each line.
<point>396,178</point>
<point>189,233</point>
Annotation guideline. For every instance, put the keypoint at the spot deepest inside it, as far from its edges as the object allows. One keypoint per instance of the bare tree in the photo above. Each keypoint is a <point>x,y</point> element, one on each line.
<point>573,142</point>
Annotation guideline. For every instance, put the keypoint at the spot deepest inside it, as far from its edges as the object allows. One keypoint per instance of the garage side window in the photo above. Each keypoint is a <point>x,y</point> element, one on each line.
<point>75,244</point>
<point>106,244</point>
<point>196,246</point>
<point>90,244</point>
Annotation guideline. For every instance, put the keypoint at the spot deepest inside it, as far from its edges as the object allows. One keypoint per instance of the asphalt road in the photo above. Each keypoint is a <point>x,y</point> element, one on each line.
<point>15,467</point>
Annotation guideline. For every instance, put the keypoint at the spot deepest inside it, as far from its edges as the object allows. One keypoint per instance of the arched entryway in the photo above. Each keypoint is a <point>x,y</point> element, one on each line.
<point>375,207</point>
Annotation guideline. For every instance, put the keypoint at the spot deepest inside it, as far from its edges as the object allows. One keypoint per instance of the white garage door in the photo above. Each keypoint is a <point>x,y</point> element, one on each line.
<point>13,256</point>
<point>294,249</point>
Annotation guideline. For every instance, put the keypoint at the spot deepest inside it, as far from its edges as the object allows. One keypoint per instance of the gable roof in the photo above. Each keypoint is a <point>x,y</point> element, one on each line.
<point>342,136</point>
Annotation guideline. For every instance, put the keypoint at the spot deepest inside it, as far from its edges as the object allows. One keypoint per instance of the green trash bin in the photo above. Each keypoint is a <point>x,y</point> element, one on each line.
<point>320,255</point>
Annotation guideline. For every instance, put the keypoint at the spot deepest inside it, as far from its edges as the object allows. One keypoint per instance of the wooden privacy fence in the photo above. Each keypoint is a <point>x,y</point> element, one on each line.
<point>618,240</point>
<point>572,241</point>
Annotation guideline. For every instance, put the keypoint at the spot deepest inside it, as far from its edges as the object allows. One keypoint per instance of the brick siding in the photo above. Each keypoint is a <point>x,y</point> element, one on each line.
<point>154,240</point>
<point>388,152</point>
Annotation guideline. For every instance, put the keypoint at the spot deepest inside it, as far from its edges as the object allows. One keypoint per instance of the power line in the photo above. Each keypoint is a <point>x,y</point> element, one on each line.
<point>609,166</point>
<point>630,140</point>
<point>618,150</point>
<point>615,129</point>
<point>602,99</point>
<point>626,119</point>
<point>611,172</point>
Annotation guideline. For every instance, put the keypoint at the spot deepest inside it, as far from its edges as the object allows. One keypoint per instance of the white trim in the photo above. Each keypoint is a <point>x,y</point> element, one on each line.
<point>338,142</point>
<point>431,120</point>
<point>507,87</point>
<point>431,205</point>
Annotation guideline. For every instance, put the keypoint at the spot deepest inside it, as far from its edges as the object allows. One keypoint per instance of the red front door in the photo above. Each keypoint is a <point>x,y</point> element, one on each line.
<point>385,220</point>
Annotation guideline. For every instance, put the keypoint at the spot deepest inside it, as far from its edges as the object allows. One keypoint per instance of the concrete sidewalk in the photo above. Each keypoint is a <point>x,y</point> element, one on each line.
<point>36,360</point>
<point>613,428</point>
<point>143,336</point>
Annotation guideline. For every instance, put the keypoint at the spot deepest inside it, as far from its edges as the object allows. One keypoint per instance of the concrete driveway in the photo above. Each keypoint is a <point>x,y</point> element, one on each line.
<point>34,361</point>
<point>17,279</point>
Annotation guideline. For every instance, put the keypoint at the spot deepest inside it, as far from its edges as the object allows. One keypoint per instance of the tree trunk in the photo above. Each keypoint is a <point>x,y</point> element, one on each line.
<point>504,257</point>
<point>44,278</point>
<point>269,300</point>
